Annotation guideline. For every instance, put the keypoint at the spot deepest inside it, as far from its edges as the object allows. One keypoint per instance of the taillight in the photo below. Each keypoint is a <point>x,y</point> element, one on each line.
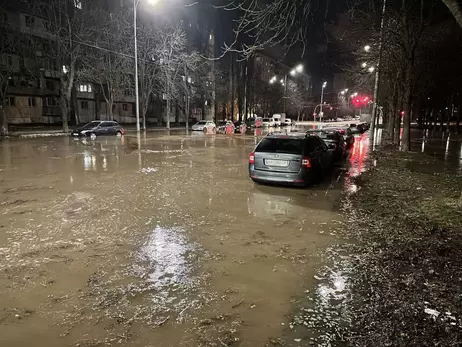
<point>252,158</point>
<point>306,162</point>
<point>341,131</point>
<point>122,131</point>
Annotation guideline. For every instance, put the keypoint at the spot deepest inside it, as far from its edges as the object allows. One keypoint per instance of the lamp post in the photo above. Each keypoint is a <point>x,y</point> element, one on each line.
<point>322,97</point>
<point>137,95</point>
<point>293,72</point>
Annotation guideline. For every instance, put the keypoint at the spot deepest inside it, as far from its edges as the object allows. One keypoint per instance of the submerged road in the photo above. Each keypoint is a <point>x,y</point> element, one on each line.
<point>162,243</point>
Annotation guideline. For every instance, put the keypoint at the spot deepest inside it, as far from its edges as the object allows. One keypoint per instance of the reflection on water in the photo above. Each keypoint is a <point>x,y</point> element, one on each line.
<point>167,253</point>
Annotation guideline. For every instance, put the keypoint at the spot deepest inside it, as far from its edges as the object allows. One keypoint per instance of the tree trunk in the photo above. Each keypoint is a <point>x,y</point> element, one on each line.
<point>406,140</point>
<point>3,122</point>
<point>64,112</point>
<point>455,9</point>
<point>75,106</point>
<point>167,112</point>
<point>110,113</point>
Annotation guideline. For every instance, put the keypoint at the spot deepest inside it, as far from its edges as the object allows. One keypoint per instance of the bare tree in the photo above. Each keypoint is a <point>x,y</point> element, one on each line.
<point>107,64</point>
<point>68,28</point>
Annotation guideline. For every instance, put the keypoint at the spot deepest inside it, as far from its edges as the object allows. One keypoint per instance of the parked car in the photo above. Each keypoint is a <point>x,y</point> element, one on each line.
<point>205,126</point>
<point>268,122</point>
<point>240,127</point>
<point>287,122</point>
<point>277,119</point>
<point>347,134</point>
<point>254,122</point>
<point>225,127</point>
<point>99,128</point>
<point>294,158</point>
<point>334,140</point>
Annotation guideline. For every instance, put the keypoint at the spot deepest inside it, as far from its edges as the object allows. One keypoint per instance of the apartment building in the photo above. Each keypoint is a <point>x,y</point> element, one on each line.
<point>33,79</point>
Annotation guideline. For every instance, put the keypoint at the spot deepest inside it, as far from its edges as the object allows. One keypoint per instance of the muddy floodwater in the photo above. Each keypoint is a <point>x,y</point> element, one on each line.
<point>159,242</point>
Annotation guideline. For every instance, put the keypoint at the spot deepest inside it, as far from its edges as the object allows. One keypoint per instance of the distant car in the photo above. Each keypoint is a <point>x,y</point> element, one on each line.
<point>225,127</point>
<point>268,122</point>
<point>205,126</point>
<point>99,128</point>
<point>277,120</point>
<point>254,122</point>
<point>347,134</point>
<point>338,119</point>
<point>240,127</point>
<point>334,140</point>
<point>295,159</point>
<point>287,122</point>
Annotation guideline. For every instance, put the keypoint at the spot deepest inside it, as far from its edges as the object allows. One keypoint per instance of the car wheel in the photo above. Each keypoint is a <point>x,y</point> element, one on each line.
<point>93,136</point>
<point>214,131</point>
<point>119,134</point>
<point>204,130</point>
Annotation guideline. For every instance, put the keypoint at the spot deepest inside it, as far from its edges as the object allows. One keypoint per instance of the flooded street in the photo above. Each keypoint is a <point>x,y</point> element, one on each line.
<point>102,243</point>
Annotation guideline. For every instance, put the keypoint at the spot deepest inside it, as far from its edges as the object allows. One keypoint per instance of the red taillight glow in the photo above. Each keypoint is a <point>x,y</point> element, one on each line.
<point>306,162</point>
<point>252,158</point>
<point>122,131</point>
<point>341,131</point>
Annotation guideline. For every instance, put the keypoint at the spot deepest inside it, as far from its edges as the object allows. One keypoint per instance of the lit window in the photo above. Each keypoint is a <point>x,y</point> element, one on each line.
<point>85,88</point>
<point>78,4</point>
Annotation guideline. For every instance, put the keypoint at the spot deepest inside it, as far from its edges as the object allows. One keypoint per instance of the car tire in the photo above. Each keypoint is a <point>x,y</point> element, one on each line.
<point>93,136</point>
<point>119,134</point>
<point>204,130</point>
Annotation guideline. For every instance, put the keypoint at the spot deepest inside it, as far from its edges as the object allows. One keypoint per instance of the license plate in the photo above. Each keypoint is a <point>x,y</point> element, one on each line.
<point>272,162</point>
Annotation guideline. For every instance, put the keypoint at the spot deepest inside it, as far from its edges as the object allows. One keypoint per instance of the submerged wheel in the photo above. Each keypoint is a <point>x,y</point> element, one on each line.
<point>119,134</point>
<point>92,136</point>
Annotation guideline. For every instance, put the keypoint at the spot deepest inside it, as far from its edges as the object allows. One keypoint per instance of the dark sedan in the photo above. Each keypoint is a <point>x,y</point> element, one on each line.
<point>334,141</point>
<point>99,128</point>
<point>296,159</point>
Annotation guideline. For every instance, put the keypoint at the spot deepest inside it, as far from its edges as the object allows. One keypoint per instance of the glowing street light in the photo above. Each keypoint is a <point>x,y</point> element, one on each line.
<point>363,64</point>
<point>371,69</point>
<point>367,48</point>
<point>293,72</point>
<point>299,68</point>
<point>282,81</point>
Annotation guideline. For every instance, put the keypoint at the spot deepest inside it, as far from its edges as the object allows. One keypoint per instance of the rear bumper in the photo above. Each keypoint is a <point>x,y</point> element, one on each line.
<point>297,179</point>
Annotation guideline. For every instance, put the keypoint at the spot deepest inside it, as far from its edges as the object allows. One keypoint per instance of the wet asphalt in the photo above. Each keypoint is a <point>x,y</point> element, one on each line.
<point>158,241</point>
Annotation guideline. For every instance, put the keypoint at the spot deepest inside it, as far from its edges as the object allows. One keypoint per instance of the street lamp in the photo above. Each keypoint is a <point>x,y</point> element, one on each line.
<point>367,48</point>
<point>371,69</point>
<point>322,97</point>
<point>363,64</point>
<point>137,96</point>
<point>299,68</point>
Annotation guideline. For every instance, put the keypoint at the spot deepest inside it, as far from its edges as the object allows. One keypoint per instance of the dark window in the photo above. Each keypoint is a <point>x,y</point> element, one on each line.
<point>107,125</point>
<point>31,102</point>
<point>5,17</point>
<point>10,101</point>
<point>125,107</point>
<point>50,85</point>
<point>84,105</point>
<point>30,21</point>
<point>280,145</point>
<point>50,101</point>
<point>10,60</point>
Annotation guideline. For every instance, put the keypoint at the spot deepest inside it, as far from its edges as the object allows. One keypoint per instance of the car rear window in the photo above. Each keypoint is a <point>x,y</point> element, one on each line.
<point>277,145</point>
<point>266,119</point>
